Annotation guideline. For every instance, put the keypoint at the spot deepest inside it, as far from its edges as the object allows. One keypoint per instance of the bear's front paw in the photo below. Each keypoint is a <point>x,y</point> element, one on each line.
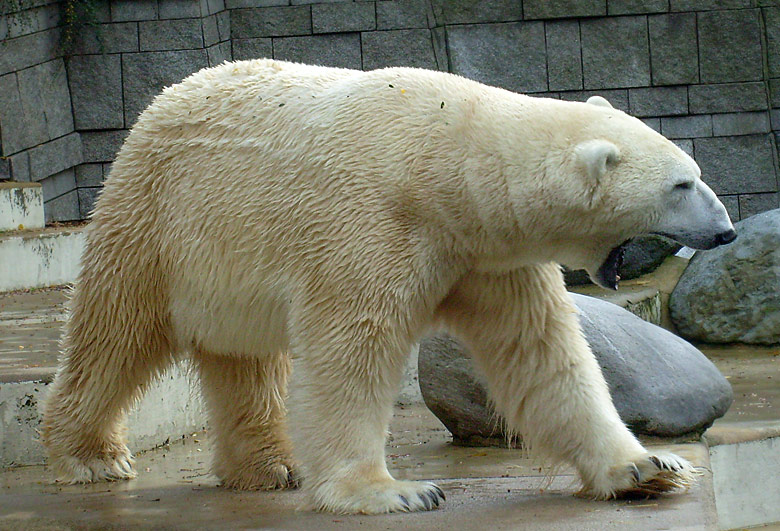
<point>74,470</point>
<point>650,475</point>
<point>387,496</point>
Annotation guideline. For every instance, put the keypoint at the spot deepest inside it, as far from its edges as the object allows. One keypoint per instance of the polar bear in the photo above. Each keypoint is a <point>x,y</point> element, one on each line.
<point>264,214</point>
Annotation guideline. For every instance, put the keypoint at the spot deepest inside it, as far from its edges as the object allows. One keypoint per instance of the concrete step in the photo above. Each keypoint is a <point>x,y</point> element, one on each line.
<point>21,206</point>
<point>40,258</point>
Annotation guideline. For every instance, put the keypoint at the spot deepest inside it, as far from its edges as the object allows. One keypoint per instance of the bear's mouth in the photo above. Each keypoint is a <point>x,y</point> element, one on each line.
<point>607,275</point>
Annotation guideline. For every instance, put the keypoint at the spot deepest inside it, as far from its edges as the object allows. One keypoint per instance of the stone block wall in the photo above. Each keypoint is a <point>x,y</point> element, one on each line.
<point>704,73</point>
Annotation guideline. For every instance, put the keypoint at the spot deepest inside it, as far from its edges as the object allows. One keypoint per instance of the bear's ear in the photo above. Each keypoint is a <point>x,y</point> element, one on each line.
<point>600,102</point>
<point>596,156</point>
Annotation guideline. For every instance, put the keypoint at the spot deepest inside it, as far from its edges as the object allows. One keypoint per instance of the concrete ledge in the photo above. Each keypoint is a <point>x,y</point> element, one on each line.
<point>21,206</point>
<point>170,409</point>
<point>37,259</point>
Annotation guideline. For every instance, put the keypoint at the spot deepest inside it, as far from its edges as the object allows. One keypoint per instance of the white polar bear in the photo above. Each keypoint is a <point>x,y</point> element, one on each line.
<point>263,211</point>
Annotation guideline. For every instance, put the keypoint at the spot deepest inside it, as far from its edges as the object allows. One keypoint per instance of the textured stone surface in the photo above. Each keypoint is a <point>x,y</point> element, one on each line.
<point>55,156</point>
<point>484,52</point>
<point>564,60</point>
<point>740,123</point>
<point>660,384</point>
<point>18,129</point>
<point>636,7</point>
<point>730,294</point>
<point>86,199</point>
<point>270,22</point>
<point>179,8</point>
<point>210,31</point>
<point>687,126</point>
<point>403,14</point>
<point>58,184</point>
<point>177,34</point>
<point>136,10</point>
<point>737,164</point>
<point>219,53</point>
<point>29,50</point>
<point>20,166</point>
<point>102,146</point>
<point>97,99</point>
<point>617,98</point>
<point>727,97</point>
<point>106,38</point>
<point>412,47</point>
<point>144,75</point>
<point>752,204</point>
<point>254,48</point>
<point>46,98</point>
<point>729,46</point>
<point>563,8</point>
<point>331,18</point>
<point>615,52</point>
<point>643,255</point>
<point>731,202</point>
<point>772,24</point>
<point>658,101</point>
<point>63,208</point>
<point>340,50</point>
<point>470,12</point>
<point>673,53</point>
<point>89,175</point>
<point>706,5</point>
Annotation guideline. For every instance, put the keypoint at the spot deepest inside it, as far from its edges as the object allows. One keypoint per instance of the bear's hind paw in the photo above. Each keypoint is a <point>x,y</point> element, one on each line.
<point>73,470</point>
<point>649,476</point>
<point>385,497</point>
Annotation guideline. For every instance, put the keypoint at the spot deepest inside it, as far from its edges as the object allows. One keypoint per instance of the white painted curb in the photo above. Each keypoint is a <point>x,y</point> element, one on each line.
<point>39,259</point>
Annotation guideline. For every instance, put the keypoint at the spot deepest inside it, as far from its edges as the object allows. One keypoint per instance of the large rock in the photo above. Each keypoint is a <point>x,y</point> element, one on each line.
<point>732,293</point>
<point>643,255</point>
<point>660,384</point>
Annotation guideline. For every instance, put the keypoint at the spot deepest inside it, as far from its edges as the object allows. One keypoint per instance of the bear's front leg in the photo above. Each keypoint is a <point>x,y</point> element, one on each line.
<point>347,367</point>
<point>523,332</point>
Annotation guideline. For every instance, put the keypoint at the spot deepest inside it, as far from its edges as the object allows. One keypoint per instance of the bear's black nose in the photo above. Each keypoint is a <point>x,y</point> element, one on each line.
<point>726,237</point>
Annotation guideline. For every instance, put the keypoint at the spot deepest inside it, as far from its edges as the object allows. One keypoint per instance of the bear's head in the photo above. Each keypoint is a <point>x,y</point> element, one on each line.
<point>631,181</point>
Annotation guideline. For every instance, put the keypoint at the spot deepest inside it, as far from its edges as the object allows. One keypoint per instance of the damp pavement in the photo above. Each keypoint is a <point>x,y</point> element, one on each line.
<point>486,488</point>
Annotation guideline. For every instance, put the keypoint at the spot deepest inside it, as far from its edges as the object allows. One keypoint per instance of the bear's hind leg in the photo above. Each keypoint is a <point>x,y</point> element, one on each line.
<point>524,334</point>
<point>114,347</point>
<point>245,398</point>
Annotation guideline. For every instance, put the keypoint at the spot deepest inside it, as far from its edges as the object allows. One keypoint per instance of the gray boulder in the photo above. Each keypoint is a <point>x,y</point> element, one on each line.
<point>732,293</point>
<point>660,384</point>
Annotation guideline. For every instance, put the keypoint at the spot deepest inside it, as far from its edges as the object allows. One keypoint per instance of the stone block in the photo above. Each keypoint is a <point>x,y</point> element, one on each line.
<point>684,144</point>
<point>564,57</point>
<point>179,9</point>
<point>510,55</point>
<point>740,123</point>
<point>304,2</point>
<point>339,50</point>
<point>728,97</point>
<point>55,156</point>
<point>617,98</point>
<point>176,34</point>
<point>687,126</point>
<point>403,14</point>
<point>439,37</point>
<point>730,46</point>
<point>135,10</point>
<point>32,21</point>
<point>772,25</point>
<point>102,146</point>
<point>58,184</point>
<point>46,98</point>
<point>270,22</point>
<point>63,208</point>
<point>470,12</point>
<point>106,38</point>
<point>412,47</point>
<point>737,164</point>
<point>21,207</point>
<point>219,53</point>
<point>254,48</point>
<point>20,127</point>
<point>238,4</point>
<point>334,18</point>
<point>96,89</point>
<point>534,9</point>
<point>20,167</point>
<point>652,123</point>
<point>636,7</point>
<point>673,55</point>
<point>223,25</point>
<point>707,5</point>
<point>29,50</point>
<point>144,75</point>
<point>88,175</point>
<point>615,52</point>
<point>658,101</point>
<point>87,199</point>
<point>731,202</point>
<point>5,169</point>
<point>752,204</point>
<point>210,30</point>
<point>774,93</point>
<point>209,7</point>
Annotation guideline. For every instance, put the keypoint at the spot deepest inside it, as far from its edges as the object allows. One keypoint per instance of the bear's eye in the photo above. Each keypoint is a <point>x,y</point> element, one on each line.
<point>687,185</point>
